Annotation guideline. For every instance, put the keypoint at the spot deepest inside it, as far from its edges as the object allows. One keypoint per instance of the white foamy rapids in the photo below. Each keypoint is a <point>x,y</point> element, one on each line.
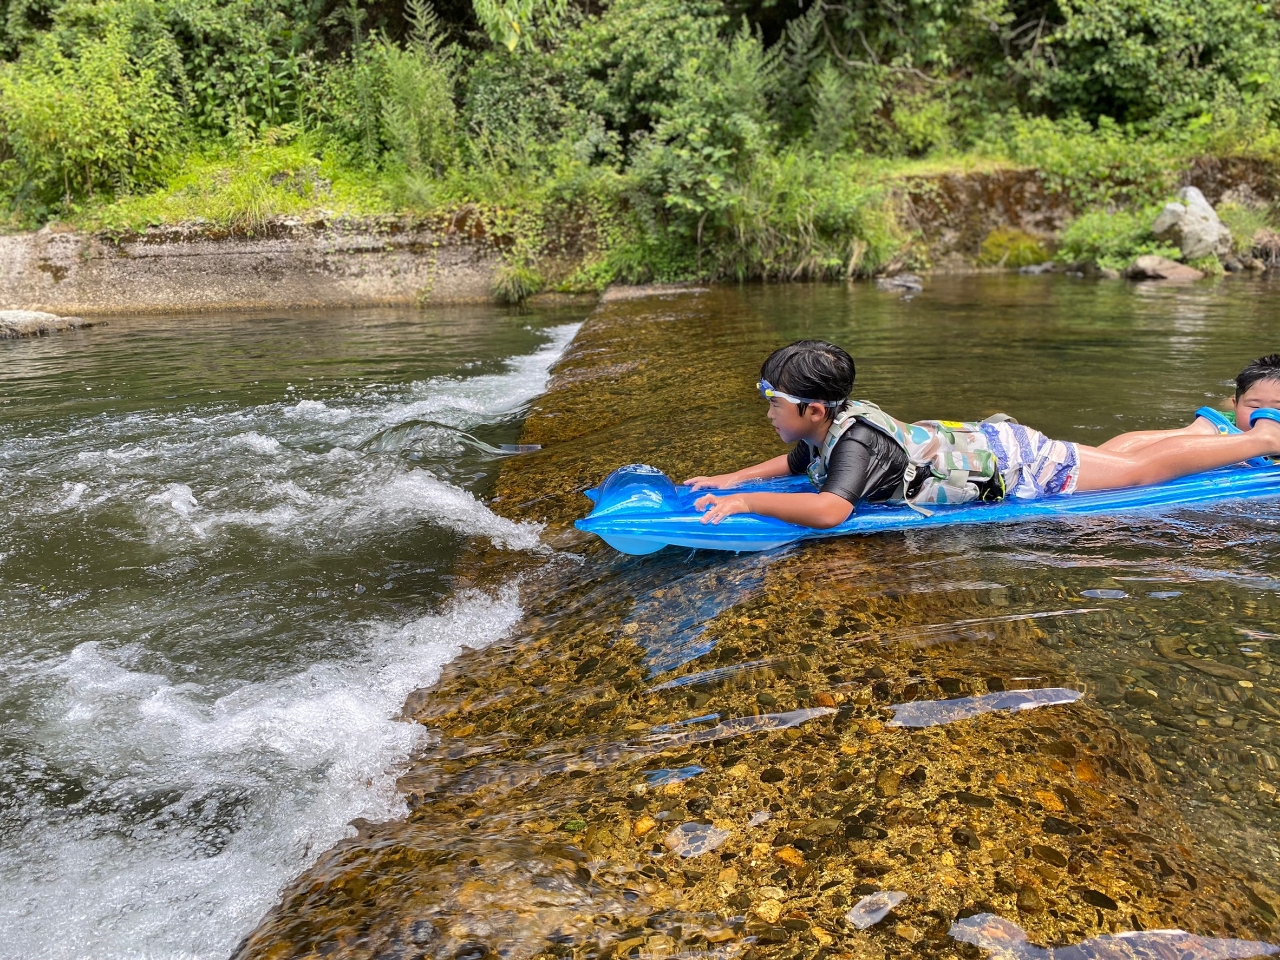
<point>256,442</point>
<point>288,470</point>
<point>204,807</point>
<point>318,410</point>
<point>371,503</point>
<point>463,402</point>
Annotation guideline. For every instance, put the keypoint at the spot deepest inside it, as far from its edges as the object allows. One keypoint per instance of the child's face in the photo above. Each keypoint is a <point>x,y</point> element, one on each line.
<point>1264,393</point>
<point>792,425</point>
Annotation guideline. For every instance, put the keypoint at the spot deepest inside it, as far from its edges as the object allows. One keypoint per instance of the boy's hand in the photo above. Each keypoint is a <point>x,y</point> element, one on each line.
<point>718,482</point>
<point>717,508</point>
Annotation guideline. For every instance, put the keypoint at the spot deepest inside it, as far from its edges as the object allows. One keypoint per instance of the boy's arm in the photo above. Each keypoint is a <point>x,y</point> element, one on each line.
<point>777,467</point>
<point>819,510</point>
<point>862,462</point>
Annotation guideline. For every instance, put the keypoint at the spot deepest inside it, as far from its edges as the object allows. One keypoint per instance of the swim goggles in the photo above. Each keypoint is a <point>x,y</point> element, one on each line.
<point>769,391</point>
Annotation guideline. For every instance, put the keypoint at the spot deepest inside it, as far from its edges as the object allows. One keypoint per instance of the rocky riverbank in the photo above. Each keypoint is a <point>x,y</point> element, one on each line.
<point>709,754</point>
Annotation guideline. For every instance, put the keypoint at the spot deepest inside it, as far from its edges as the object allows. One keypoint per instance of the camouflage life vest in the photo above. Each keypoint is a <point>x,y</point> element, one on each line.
<point>948,462</point>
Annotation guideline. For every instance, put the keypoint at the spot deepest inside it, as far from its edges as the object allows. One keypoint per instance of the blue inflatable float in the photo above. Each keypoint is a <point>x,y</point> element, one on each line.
<point>639,510</point>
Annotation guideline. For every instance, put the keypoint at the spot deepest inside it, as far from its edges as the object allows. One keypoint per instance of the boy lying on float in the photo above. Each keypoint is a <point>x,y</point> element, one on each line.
<point>853,451</point>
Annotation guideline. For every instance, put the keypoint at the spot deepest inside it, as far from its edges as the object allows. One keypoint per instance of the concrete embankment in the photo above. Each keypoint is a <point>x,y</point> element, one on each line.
<point>288,264</point>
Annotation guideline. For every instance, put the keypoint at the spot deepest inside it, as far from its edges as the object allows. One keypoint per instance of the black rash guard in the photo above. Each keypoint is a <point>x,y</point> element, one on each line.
<point>865,465</point>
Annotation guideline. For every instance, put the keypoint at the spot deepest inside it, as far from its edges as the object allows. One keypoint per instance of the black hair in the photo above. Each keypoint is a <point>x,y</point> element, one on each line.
<point>813,369</point>
<point>1264,368</point>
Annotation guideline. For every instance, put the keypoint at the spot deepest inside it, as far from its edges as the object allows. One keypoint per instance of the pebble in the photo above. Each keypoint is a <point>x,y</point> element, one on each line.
<point>768,910</point>
<point>1049,855</point>
<point>908,933</point>
<point>789,856</point>
<point>1029,901</point>
<point>695,839</point>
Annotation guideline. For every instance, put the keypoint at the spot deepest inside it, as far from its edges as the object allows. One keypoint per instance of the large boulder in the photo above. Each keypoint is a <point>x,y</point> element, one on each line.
<point>1151,267</point>
<point>1192,224</point>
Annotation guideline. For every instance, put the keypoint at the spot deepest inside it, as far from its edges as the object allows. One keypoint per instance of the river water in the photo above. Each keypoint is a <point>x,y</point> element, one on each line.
<point>212,604</point>
<point>222,578</point>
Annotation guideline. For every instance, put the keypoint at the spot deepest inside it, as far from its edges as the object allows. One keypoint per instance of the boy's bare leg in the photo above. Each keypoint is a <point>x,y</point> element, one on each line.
<point>1138,439</point>
<point>1176,456</point>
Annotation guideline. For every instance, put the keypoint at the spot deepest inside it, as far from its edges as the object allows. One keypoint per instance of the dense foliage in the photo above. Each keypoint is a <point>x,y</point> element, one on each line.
<point>670,137</point>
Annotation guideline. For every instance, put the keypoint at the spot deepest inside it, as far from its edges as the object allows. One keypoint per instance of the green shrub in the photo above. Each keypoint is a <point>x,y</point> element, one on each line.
<point>513,104</point>
<point>1244,222</point>
<point>516,283</point>
<point>1008,247</point>
<point>1209,265</point>
<point>802,215</point>
<point>835,110</point>
<point>418,113</point>
<point>244,60</point>
<point>707,140</point>
<point>632,65</point>
<point>1093,166</point>
<point>1112,239</point>
<point>514,23</point>
<point>924,124</point>
<point>1159,62</point>
<point>91,118</point>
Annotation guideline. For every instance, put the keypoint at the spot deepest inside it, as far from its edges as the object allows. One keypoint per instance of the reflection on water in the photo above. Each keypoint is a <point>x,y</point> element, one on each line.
<point>927,713</point>
<point>416,439</point>
<point>1006,939</point>
<point>670,621</point>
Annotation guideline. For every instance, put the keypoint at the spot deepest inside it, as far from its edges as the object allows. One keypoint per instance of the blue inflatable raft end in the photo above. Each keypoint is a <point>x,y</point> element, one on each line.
<point>638,510</point>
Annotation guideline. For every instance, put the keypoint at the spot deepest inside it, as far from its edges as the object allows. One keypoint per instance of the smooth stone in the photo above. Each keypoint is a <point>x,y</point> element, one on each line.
<point>902,282</point>
<point>1151,267</point>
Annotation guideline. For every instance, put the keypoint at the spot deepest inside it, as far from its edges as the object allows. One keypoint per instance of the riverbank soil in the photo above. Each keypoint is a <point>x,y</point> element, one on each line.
<point>697,753</point>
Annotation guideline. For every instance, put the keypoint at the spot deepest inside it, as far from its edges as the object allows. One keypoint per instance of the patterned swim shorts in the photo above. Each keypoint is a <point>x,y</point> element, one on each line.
<point>1032,465</point>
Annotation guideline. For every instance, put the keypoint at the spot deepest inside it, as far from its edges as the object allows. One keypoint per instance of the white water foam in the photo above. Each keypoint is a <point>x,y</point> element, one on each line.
<point>376,503</point>
<point>211,805</point>
<point>154,804</point>
<point>257,442</point>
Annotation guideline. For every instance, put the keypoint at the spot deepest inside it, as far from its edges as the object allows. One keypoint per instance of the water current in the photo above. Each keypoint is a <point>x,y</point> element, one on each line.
<point>213,602</point>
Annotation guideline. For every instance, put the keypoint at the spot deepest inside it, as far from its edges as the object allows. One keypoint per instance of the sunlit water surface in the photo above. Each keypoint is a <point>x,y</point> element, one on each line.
<point>213,603</point>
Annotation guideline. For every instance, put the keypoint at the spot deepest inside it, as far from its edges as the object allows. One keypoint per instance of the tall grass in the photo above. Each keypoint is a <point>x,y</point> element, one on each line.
<point>240,189</point>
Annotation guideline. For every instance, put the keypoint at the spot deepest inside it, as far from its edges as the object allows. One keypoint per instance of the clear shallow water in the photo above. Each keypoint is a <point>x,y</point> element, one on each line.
<point>1173,620</point>
<point>212,605</point>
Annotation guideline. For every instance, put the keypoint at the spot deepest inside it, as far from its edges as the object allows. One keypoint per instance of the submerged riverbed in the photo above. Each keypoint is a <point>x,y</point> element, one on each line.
<point>676,755</point>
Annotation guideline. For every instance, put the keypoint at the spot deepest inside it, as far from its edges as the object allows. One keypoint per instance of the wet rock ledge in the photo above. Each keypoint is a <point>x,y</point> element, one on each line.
<point>288,264</point>
<point>15,324</point>
<point>679,756</point>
